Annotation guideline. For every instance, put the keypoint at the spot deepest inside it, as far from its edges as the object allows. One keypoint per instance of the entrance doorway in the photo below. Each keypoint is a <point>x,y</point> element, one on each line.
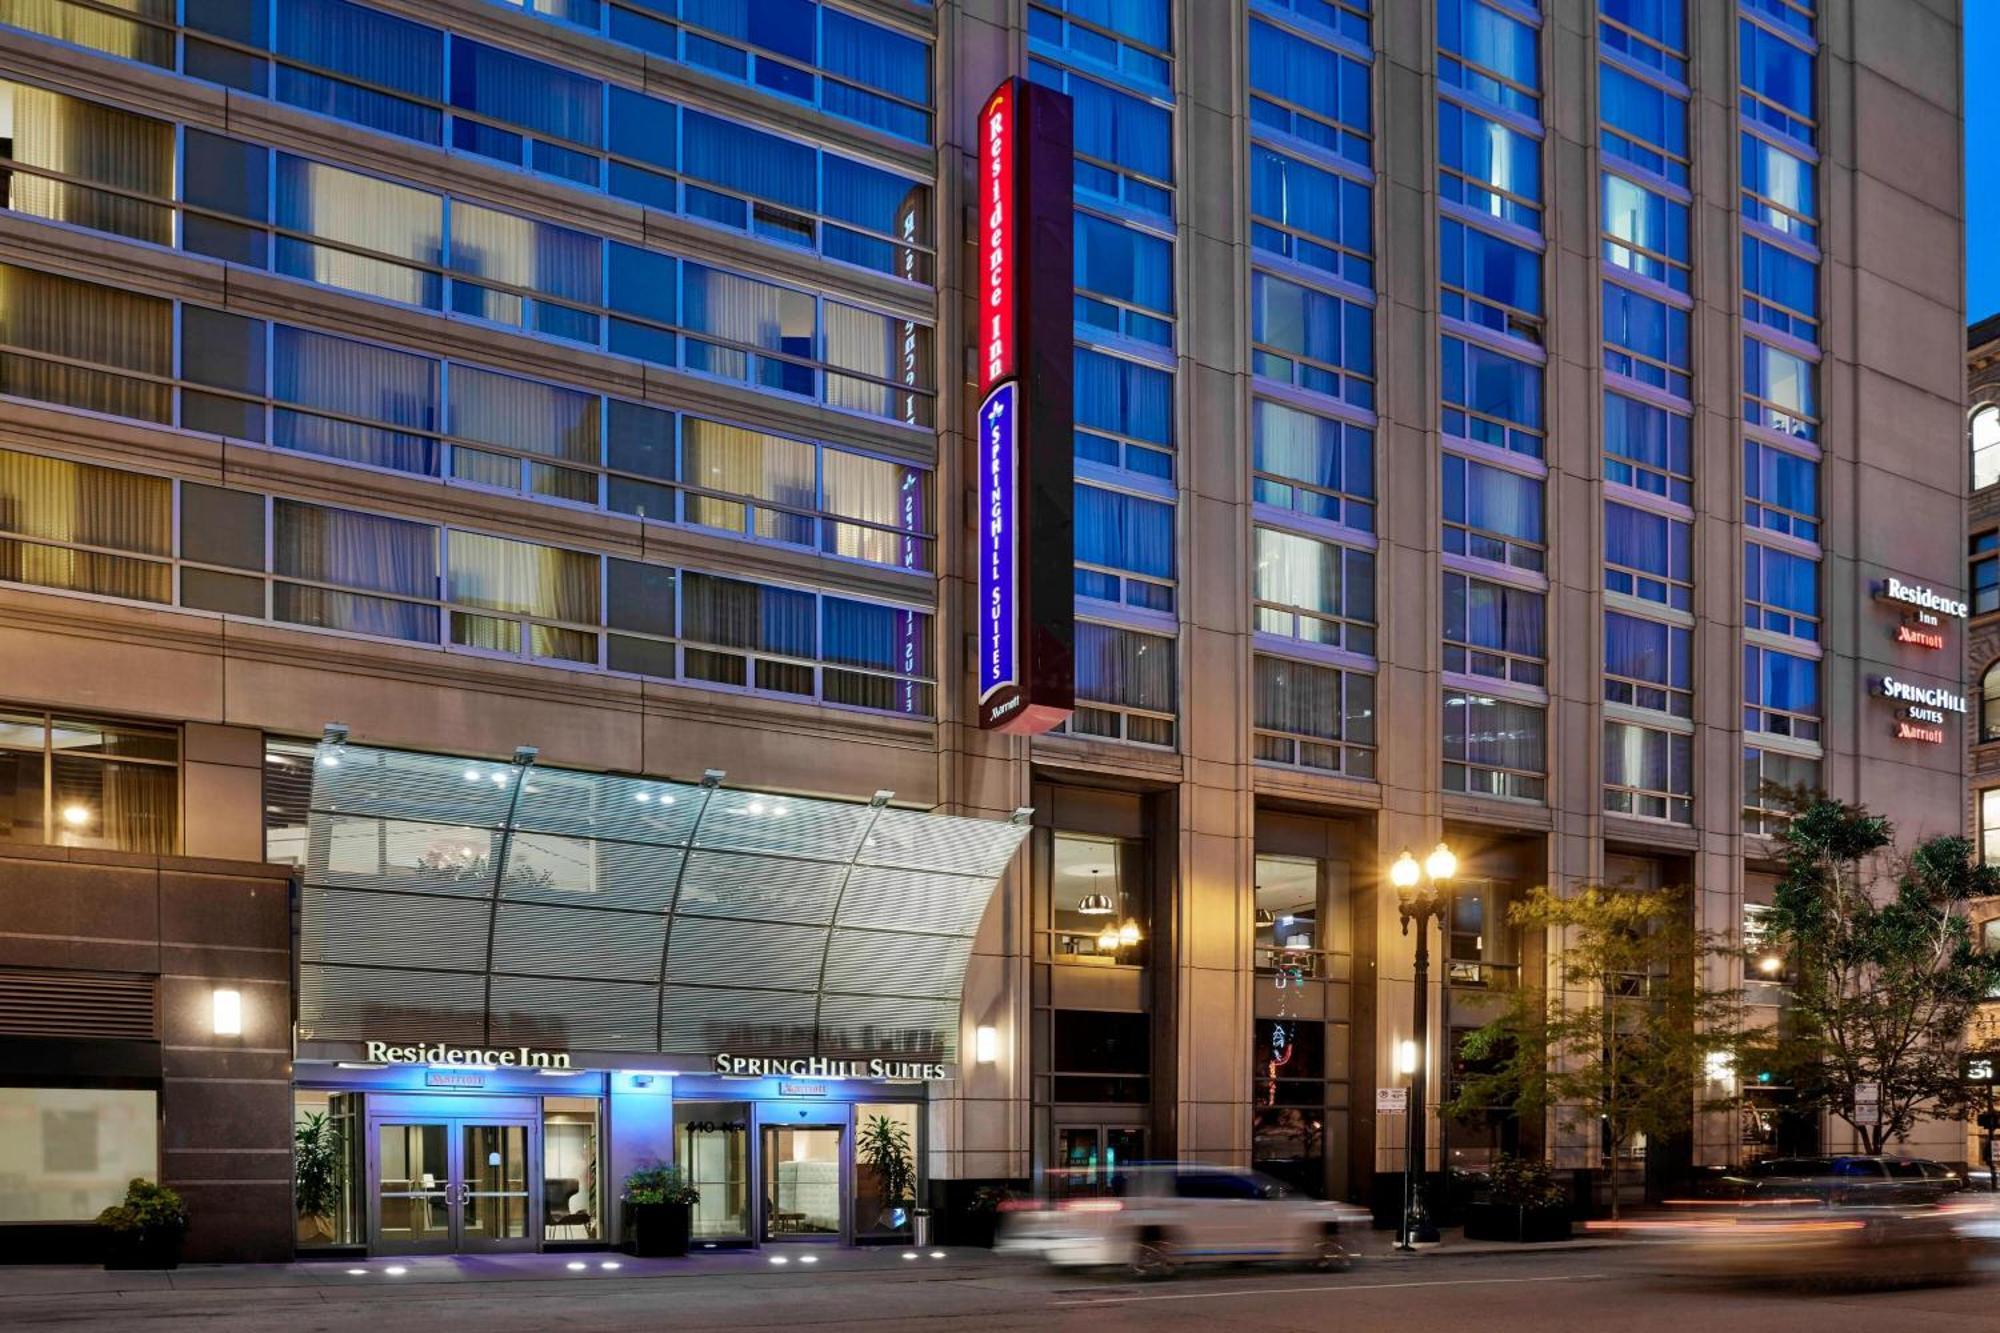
<point>804,1197</point>
<point>452,1184</point>
<point>1088,1157</point>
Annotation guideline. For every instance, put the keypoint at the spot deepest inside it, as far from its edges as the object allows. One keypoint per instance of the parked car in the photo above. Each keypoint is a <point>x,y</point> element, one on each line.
<point>1151,1218</point>
<point>1855,1179</point>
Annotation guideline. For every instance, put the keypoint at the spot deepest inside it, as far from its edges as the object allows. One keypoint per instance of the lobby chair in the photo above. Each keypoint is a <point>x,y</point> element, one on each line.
<point>557,1213</point>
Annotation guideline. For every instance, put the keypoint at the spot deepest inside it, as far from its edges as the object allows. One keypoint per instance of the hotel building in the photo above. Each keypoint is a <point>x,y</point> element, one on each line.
<point>509,467</point>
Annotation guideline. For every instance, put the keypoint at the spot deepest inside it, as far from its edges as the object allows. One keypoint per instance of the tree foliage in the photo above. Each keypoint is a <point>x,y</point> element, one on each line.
<point>1624,1035</point>
<point>1885,972</point>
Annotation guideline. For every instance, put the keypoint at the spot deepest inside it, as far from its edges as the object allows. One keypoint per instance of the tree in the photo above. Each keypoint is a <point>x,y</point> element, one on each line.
<point>1628,1036</point>
<point>1885,975</point>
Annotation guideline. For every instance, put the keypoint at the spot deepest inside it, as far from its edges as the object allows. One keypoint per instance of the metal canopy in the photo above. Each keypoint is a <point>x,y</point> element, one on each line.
<point>500,904</point>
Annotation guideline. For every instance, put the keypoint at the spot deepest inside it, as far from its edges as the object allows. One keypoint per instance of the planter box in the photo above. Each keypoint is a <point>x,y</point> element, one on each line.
<point>1512,1222</point>
<point>659,1230</point>
<point>143,1249</point>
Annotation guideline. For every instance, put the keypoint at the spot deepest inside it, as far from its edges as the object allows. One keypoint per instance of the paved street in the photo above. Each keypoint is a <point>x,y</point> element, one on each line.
<point>1586,1289</point>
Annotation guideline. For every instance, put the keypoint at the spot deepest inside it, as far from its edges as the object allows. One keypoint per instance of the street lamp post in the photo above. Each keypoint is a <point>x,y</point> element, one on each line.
<point>1419,898</point>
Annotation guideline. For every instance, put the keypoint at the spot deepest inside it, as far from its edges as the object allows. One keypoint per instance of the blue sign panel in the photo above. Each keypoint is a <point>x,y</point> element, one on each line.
<point>999,556</point>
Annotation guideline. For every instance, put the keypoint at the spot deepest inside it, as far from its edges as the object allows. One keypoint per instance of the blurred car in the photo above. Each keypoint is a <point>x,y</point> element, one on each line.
<point>1151,1218</point>
<point>1854,1178</point>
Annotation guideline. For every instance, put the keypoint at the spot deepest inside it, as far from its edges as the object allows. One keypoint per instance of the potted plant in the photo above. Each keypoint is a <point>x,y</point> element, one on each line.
<point>982,1216</point>
<point>659,1210</point>
<point>884,1146</point>
<point>1521,1202</point>
<point>319,1169</point>
<point>146,1230</point>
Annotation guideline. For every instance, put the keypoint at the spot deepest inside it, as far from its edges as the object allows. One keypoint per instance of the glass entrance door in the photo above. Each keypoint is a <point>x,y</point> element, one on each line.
<point>801,1179</point>
<point>1087,1159</point>
<point>449,1186</point>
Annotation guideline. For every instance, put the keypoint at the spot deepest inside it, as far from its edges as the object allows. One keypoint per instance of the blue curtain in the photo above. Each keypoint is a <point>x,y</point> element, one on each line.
<point>1116,127</point>
<point>761,165</point>
<point>1119,262</point>
<point>1775,69</point>
<point>1779,680</point>
<point>1646,434</point>
<point>1142,20</point>
<point>1491,267</point>
<point>1492,615</point>
<point>365,43</point>
<point>1779,479</point>
<point>1307,75</point>
<point>1637,649</point>
<point>870,197</point>
<point>518,91</point>
<point>1494,500</point>
<point>883,637</point>
<point>1651,328</point>
<point>1124,532</point>
<point>642,128</point>
<point>872,56</point>
<point>1123,397</point>
<point>1788,580</point>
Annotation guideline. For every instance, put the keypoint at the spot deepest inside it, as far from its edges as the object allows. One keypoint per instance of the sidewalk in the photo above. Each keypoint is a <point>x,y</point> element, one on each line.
<point>773,1262</point>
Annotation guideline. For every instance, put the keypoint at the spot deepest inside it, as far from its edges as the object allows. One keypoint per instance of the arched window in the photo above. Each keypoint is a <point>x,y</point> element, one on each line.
<point>1989,704</point>
<point>1985,446</point>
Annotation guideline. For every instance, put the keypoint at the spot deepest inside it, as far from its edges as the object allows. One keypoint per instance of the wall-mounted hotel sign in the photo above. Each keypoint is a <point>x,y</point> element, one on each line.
<point>819,1066</point>
<point>1026,588</point>
<point>1924,612</point>
<point>1922,716</point>
<point>473,1057</point>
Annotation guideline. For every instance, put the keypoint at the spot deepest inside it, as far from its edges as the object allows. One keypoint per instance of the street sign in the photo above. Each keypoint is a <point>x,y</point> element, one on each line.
<point>1392,1099</point>
<point>1867,1103</point>
<point>1980,1067</point>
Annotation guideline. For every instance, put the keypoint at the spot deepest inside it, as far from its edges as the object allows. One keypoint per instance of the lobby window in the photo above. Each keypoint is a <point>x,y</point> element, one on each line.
<point>68,1152</point>
<point>1125,685</point>
<point>1494,747</point>
<point>1648,665</point>
<point>1314,591</point>
<point>1100,1056</point>
<point>1288,1063</point>
<point>1484,949</point>
<point>1313,465</point>
<point>1313,717</point>
<point>1772,779</point>
<point>1494,630</point>
<point>1780,592</point>
<point>1646,447</point>
<point>1780,491</point>
<point>1492,514</point>
<point>1287,912</point>
<point>1124,548</point>
<point>1985,428</point>
<point>1645,232</point>
<point>74,782</point>
<point>1648,556</point>
<point>1098,900</point>
<point>1490,282</point>
<point>1313,340</point>
<point>1648,772</point>
<point>1491,397</point>
<point>1781,694</point>
<point>1983,572</point>
<point>1489,166</point>
<point>1487,52</point>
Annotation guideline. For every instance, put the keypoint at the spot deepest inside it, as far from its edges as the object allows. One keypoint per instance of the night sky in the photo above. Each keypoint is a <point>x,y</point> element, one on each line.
<point>1982,151</point>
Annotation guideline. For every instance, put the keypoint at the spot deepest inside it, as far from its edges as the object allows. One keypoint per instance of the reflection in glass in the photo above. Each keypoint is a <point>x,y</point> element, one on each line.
<point>802,1181</point>
<point>570,1208</point>
<point>338,1144</point>
<point>1096,889</point>
<point>496,1181</point>
<point>415,1166</point>
<point>712,1144</point>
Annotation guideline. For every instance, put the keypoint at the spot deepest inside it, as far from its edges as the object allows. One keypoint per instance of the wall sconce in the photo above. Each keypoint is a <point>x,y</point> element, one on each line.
<point>1406,1057</point>
<point>985,1044</point>
<point>226,1011</point>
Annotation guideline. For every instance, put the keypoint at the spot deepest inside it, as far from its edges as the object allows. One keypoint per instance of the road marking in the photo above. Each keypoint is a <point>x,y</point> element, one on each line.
<point>1329,1286</point>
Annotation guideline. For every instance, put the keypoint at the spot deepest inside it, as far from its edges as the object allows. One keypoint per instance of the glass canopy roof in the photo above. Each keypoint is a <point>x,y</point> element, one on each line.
<point>495,904</point>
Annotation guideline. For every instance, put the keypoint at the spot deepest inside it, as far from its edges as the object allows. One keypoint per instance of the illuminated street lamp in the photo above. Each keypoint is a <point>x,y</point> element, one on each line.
<point>1419,898</point>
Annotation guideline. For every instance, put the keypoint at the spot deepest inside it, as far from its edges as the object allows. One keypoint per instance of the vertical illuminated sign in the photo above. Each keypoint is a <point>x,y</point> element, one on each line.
<point>1026,601</point>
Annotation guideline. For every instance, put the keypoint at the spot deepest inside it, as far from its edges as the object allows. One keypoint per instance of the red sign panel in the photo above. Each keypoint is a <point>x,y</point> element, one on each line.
<point>998,355</point>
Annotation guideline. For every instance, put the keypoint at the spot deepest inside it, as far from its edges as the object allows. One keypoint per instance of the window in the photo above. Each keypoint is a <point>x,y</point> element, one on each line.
<point>1128,39</point>
<point>1314,717</point>
<point>68,1152</point>
<point>1984,574</point>
<point>1314,591</point>
<point>1096,887</point>
<point>1124,549</point>
<point>1098,1056</point>
<point>1491,397</point>
<point>1310,216</point>
<point>1648,773</point>
<point>1650,32</point>
<point>1648,556</point>
<point>1125,685</point>
<point>1780,289</point>
<point>1490,282</point>
<point>1779,188</point>
<point>1124,143</point>
<point>1644,232</point>
<point>74,782</point>
<point>1646,447</point>
<point>79,344</point>
<point>1780,592</point>
<point>1780,491</point>
<point>1124,413</point>
<point>1643,123</point>
<point>1124,280</point>
<point>1289,1070</point>
<point>1488,166</point>
<point>1313,465</point>
<point>1989,854</point>
<point>87,165</point>
<point>1493,630</point>
<point>1989,704</point>
<point>1780,694</point>
<point>1778,391</point>
<point>1312,339</point>
<point>1492,514</point>
<point>1648,665</point>
<point>1646,339</point>
<point>1985,446</point>
<point>1772,780</point>
<point>1489,54</point>
<point>1493,747</point>
<point>1309,92</point>
<point>1777,81</point>
<point>75,527</point>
